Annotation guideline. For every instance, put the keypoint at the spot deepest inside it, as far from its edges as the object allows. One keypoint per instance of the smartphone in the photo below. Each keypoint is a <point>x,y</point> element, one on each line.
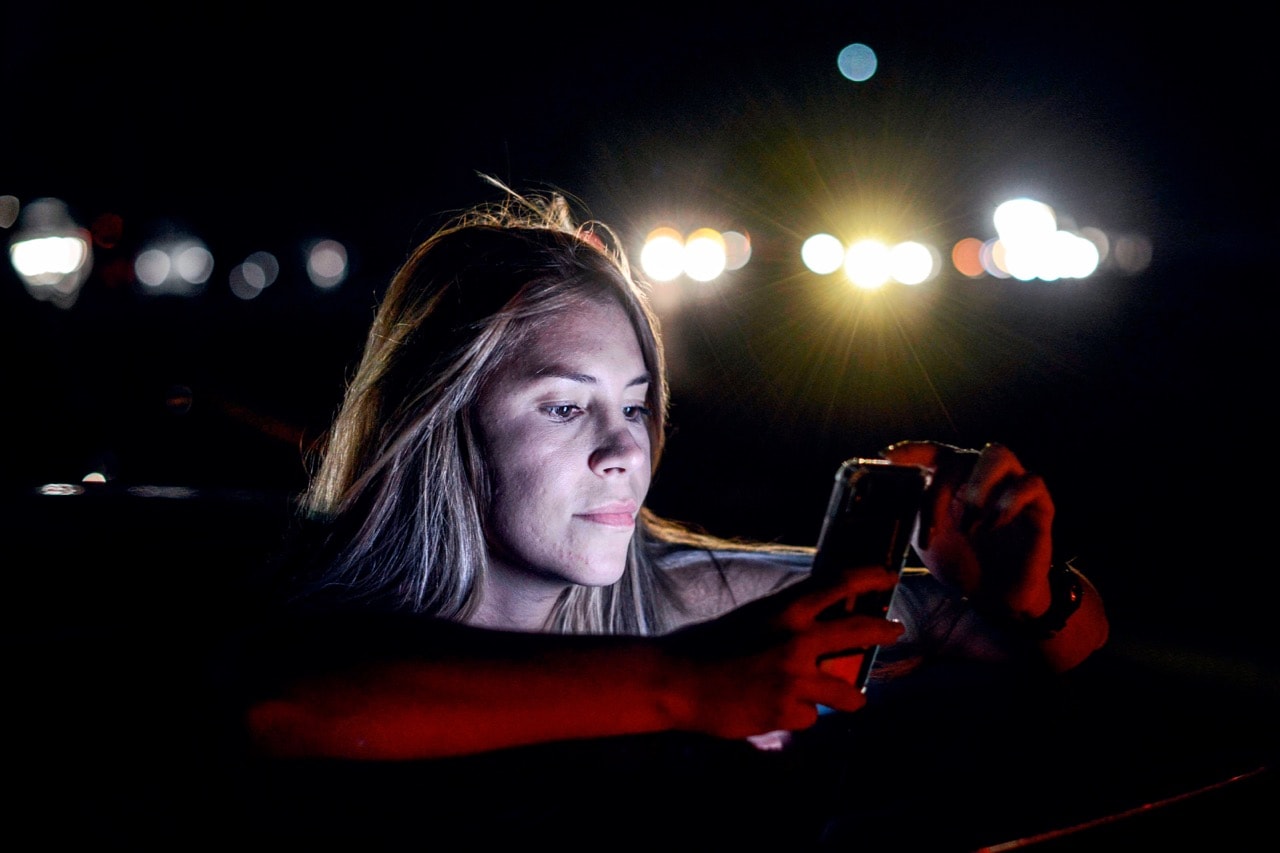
<point>871,517</point>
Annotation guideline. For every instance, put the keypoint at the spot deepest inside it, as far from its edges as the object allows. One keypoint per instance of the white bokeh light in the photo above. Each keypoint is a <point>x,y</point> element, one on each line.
<point>867,264</point>
<point>662,257</point>
<point>822,253</point>
<point>327,264</point>
<point>911,263</point>
<point>704,255</point>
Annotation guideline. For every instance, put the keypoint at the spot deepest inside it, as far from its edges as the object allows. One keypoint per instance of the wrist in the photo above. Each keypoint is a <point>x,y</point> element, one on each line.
<point>1065,592</point>
<point>1030,604</point>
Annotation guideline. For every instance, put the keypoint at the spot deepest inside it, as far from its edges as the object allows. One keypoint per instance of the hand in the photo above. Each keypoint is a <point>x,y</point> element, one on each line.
<point>755,669</point>
<point>985,527</point>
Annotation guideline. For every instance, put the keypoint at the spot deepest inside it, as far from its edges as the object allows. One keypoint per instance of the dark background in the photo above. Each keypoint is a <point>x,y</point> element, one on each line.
<point>1143,399</point>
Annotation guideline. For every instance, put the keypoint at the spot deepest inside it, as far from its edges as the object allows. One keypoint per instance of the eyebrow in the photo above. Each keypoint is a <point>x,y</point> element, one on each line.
<point>556,371</point>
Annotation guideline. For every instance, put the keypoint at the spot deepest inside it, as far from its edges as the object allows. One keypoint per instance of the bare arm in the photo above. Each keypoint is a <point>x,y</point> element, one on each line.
<point>402,688</point>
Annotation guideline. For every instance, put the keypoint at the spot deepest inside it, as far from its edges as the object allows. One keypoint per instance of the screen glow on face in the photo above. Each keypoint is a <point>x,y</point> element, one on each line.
<point>566,429</point>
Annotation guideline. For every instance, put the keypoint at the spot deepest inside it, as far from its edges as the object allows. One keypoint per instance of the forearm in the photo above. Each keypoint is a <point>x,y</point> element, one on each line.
<point>391,686</point>
<point>539,689</point>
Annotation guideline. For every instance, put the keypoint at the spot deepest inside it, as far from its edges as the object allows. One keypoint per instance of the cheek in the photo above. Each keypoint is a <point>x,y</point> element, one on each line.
<point>512,454</point>
<point>644,478</point>
<point>527,488</point>
<point>646,475</point>
<point>520,516</point>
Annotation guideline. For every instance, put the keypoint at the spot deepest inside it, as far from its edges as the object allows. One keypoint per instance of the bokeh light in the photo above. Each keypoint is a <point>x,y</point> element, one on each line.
<point>176,264</point>
<point>966,257</point>
<point>51,253</point>
<point>911,263</point>
<point>1034,247</point>
<point>327,264</point>
<point>737,250</point>
<point>253,275</point>
<point>662,257</point>
<point>867,264</point>
<point>857,62</point>
<point>822,253</point>
<point>704,255</point>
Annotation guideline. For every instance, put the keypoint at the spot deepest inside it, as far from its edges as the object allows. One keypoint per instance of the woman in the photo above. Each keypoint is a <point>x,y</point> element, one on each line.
<point>479,507</point>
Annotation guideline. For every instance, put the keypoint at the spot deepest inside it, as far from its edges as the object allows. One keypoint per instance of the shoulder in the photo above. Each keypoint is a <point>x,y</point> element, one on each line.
<point>711,581</point>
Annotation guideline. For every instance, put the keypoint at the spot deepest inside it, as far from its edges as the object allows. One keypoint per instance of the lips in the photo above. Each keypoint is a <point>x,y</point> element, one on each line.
<point>614,514</point>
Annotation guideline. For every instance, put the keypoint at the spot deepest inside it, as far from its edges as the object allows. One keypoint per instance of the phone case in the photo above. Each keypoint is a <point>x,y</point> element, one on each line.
<point>870,519</point>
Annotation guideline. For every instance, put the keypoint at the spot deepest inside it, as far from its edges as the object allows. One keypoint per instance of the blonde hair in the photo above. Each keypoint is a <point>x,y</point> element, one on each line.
<point>402,486</point>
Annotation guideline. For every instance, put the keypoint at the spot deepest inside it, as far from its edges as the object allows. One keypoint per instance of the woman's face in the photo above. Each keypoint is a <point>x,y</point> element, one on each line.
<point>566,428</point>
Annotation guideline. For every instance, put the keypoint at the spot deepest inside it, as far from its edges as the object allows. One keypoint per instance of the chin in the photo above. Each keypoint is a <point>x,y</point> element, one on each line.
<point>603,570</point>
<point>604,577</point>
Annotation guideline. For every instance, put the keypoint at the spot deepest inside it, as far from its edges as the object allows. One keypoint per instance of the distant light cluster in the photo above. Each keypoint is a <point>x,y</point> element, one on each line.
<point>53,254</point>
<point>1029,245</point>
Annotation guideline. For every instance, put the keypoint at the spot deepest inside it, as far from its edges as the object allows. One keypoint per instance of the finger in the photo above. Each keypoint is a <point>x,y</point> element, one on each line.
<point>970,504</point>
<point>996,462</point>
<point>854,632</point>
<point>1023,497</point>
<point>923,453</point>
<point>999,490</point>
<point>948,466</point>
<point>840,586</point>
<point>832,691</point>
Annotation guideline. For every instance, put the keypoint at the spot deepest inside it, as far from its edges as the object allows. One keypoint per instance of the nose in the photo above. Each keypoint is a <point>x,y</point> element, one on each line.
<point>619,447</point>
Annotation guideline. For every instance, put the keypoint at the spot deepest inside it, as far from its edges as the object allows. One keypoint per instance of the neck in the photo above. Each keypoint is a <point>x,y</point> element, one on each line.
<point>515,601</point>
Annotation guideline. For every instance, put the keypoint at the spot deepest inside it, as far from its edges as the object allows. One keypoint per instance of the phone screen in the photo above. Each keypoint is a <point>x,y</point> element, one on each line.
<point>870,519</point>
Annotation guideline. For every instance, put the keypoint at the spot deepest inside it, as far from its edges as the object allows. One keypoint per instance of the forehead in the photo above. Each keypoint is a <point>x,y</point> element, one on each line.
<point>593,331</point>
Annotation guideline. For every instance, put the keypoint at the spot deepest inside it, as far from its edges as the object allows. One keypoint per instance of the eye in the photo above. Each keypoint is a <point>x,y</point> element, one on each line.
<point>636,413</point>
<point>562,411</point>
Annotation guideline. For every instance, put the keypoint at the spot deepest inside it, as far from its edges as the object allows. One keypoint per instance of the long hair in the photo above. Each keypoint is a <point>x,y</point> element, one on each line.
<point>402,488</point>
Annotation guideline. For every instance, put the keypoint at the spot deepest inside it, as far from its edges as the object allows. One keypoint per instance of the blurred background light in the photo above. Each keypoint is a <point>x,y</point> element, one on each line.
<point>822,253</point>
<point>253,275</point>
<point>867,264</point>
<point>176,264</point>
<point>704,255</point>
<point>1033,246</point>
<point>1132,253</point>
<point>857,62</point>
<point>737,250</point>
<point>1024,220</point>
<point>992,257</point>
<point>966,257</point>
<point>51,253</point>
<point>662,256</point>
<point>9,209</point>
<point>911,263</point>
<point>327,264</point>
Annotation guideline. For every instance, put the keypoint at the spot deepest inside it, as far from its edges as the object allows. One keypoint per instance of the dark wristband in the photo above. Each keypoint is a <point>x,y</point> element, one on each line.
<point>1066,590</point>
